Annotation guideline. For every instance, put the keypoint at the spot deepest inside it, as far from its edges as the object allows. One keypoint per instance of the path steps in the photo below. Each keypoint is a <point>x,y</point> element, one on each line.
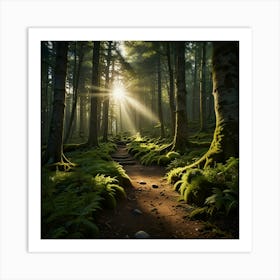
<point>125,158</point>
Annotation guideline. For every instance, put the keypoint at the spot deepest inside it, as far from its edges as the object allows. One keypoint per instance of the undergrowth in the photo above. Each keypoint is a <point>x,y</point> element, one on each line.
<point>157,151</point>
<point>151,151</point>
<point>214,190</point>
<point>70,200</point>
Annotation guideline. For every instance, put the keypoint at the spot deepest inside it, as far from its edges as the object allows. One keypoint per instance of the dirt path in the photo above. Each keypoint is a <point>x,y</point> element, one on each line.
<point>151,206</point>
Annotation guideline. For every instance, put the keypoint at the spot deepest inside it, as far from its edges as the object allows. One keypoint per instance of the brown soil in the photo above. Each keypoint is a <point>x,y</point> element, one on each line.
<point>161,216</point>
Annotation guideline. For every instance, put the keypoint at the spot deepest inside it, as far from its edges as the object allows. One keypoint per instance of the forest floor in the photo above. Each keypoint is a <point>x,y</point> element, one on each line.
<point>151,206</point>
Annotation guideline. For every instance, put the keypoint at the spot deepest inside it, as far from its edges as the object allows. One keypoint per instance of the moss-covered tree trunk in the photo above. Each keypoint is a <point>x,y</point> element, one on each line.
<point>93,124</point>
<point>54,151</point>
<point>225,143</point>
<point>226,98</point>
<point>180,141</point>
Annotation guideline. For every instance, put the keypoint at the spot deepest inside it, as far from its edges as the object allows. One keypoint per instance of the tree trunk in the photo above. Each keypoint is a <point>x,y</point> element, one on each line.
<point>54,151</point>
<point>106,101</point>
<point>93,125</point>
<point>160,115</point>
<point>194,91</point>
<point>75,92</point>
<point>171,89</point>
<point>82,116</point>
<point>44,91</point>
<point>225,143</point>
<point>180,141</point>
<point>202,107</point>
<point>153,101</point>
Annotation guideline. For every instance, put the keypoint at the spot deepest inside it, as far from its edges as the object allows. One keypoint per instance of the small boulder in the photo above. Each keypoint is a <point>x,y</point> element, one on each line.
<point>137,211</point>
<point>141,235</point>
<point>142,183</point>
<point>155,186</point>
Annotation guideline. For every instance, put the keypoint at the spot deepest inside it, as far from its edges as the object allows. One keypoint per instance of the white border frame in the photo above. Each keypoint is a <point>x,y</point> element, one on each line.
<point>243,35</point>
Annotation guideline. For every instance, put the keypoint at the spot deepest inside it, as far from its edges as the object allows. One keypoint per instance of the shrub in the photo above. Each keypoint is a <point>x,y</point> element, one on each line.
<point>70,200</point>
<point>215,189</point>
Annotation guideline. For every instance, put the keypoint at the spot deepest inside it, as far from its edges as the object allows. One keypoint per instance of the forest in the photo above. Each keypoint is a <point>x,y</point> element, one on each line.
<point>139,140</point>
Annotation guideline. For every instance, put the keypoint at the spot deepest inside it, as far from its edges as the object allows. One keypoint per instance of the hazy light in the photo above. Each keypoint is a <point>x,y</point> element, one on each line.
<point>142,109</point>
<point>127,119</point>
<point>119,93</point>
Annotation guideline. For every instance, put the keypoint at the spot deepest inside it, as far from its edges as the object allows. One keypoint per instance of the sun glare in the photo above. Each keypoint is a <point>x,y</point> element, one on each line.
<point>119,93</point>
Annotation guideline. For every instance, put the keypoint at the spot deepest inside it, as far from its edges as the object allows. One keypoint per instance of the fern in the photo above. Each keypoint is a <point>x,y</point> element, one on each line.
<point>71,199</point>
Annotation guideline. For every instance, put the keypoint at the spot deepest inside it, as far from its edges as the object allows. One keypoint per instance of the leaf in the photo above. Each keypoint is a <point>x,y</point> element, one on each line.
<point>232,205</point>
<point>90,225</point>
<point>59,232</point>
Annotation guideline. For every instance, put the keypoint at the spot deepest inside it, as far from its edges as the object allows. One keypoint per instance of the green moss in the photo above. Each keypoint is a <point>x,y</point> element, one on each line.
<point>174,175</point>
<point>215,188</point>
<point>197,191</point>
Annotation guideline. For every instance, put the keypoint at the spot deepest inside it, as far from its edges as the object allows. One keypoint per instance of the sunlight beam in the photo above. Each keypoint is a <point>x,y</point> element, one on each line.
<point>127,119</point>
<point>142,109</point>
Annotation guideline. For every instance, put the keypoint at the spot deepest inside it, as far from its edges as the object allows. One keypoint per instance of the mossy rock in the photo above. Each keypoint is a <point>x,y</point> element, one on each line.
<point>198,190</point>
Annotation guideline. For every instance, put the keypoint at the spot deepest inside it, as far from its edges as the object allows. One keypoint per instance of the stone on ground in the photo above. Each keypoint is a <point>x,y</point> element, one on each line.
<point>141,234</point>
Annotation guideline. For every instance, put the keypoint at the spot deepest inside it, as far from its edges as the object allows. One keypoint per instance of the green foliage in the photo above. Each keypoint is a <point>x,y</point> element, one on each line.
<point>225,198</point>
<point>202,135</point>
<point>70,200</point>
<point>216,189</point>
<point>175,175</point>
<point>187,159</point>
<point>199,213</point>
<point>98,161</point>
<point>152,151</point>
<point>194,188</point>
<point>150,158</point>
<point>68,212</point>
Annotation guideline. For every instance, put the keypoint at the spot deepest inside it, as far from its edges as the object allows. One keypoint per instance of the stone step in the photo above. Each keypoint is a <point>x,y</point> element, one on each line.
<point>127,162</point>
<point>121,157</point>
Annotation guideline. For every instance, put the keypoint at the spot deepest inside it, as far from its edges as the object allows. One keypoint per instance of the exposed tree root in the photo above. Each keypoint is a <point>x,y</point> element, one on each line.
<point>166,149</point>
<point>64,165</point>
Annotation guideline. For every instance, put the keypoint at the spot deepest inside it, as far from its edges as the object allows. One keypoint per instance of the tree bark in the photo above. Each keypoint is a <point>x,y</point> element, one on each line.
<point>160,115</point>
<point>93,125</point>
<point>44,91</point>
<point>54,151</point>
<point>202,107</point>
<point>194,91</point>
<point>75,92</point>
<point>153,101</point>
<point>180,142</point>
<point>107,99</point>
<point>171,89</point>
